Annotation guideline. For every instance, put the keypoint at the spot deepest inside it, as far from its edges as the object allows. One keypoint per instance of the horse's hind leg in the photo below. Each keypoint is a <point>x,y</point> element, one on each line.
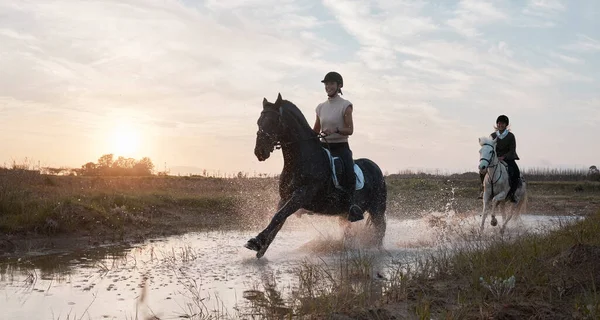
<point>378,221</point>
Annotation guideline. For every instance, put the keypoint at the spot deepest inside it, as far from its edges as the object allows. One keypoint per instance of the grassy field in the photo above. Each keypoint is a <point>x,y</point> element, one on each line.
<point>541,276</point>
<point>119,208</point>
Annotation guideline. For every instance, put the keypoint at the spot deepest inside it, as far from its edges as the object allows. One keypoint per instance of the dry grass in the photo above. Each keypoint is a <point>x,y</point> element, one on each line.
<point>530,276</point>
<point>551,274</point>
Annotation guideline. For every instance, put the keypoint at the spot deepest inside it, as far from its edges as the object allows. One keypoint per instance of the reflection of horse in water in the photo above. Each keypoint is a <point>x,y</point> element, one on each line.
<point>308,179</point>
<point>496,185</point>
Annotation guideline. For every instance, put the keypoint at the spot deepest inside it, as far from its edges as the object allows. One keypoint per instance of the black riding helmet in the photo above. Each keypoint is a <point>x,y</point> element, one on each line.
<point>503,119</point>
<point>334,77</point>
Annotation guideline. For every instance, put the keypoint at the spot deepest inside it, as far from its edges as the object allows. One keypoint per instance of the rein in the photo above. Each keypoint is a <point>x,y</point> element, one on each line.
<point>278,144</point>
<point>495,166</point>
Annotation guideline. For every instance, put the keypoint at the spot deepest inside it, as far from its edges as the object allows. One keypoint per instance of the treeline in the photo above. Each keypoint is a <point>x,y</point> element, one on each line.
<point>108,166</point>
<point>531,174</point>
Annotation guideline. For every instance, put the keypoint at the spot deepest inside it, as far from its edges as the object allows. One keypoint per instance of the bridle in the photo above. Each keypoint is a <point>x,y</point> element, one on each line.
<point>277,144</point>
<point>489,161</point>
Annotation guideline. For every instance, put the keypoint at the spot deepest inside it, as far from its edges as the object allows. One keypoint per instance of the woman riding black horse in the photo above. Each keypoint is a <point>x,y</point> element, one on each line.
<point>334,122</point>
<point>306,181</point>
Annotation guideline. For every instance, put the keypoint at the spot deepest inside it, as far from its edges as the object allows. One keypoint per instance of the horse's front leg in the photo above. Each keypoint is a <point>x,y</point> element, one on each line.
<point>261,242</point>
<point>486,207</point>
<point>495,202</point>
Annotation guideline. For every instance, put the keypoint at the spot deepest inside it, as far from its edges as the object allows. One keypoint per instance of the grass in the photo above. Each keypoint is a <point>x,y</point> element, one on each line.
<point>552,274</point>
<point>118,207</point>
<point>50,205</point>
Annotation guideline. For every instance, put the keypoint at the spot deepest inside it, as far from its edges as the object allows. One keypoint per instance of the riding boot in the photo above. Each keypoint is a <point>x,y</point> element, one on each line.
<point>355,213</point>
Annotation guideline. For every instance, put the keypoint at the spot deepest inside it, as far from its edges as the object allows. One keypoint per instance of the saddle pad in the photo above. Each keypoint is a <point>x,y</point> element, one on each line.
<point>360,178</point>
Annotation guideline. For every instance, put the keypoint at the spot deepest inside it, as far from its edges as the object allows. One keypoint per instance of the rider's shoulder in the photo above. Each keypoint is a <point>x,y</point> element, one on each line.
<point>346,102</point>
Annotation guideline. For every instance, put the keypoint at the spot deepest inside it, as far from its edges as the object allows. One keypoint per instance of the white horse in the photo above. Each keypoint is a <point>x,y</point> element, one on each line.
<point>496,186</point>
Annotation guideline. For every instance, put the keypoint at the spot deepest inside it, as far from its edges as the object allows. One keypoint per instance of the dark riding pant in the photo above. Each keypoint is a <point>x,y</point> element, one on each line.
<point>348,179</point>
<point>514,174</point>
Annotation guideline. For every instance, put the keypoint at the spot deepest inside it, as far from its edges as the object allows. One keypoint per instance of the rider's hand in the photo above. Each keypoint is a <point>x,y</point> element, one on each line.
<point>501,158</point>
<point>326,132</point>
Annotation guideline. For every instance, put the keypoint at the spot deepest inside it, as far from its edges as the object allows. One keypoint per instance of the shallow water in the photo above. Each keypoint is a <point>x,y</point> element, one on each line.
<point>166,277</point>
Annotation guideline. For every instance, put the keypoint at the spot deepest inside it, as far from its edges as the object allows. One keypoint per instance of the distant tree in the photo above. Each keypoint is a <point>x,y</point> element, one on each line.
<point>124,163</point>
<point>594,173</point>
<point>144,167</point>
<point>122,166</point>
<point>104,165</point>
<point>89,169</point>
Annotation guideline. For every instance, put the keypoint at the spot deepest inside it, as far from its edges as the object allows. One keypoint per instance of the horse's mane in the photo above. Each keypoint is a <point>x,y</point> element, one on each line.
<point>291,110</point>
<point>488,140</point>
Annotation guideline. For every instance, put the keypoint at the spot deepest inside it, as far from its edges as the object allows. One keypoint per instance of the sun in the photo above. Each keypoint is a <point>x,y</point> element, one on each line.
<point>125,140</point>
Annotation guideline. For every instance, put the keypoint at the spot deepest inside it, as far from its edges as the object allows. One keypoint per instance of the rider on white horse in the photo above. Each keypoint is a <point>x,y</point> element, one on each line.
<point>506,149</point>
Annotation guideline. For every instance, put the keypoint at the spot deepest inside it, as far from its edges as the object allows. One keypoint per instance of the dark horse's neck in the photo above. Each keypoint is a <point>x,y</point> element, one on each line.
<point>300,144</point>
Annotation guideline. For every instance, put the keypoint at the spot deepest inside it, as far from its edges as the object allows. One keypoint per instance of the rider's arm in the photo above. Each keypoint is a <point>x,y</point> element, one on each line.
<point>348,128</point>
<point>317,126</point>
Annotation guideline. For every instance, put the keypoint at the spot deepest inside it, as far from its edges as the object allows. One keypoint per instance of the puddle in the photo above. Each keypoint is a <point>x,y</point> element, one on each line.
<point>208,272</point>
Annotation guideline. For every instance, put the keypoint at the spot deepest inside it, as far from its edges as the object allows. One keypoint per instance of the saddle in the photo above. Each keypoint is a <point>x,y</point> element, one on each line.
<point>337,170</point>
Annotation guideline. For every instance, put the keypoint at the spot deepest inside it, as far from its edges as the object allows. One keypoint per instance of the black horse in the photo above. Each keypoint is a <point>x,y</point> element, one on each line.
<point>306,179</point>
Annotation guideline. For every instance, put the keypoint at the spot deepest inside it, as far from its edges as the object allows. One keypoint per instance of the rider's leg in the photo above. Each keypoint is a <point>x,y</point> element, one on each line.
<point>514,175</point>
<point>355,213</point>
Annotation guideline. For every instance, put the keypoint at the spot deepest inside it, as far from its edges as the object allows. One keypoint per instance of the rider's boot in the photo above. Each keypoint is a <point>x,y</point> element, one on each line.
<point>511,193</point>
<point>355,213</point>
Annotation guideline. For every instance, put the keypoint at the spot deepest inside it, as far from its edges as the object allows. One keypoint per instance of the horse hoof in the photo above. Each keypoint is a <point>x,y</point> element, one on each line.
<point>253,244</point>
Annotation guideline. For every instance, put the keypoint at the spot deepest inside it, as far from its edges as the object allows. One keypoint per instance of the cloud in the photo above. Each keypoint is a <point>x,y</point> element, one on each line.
<point>584,44</point>
<point>567,59</point>
<point>426,78</point>
<point>472,14</point>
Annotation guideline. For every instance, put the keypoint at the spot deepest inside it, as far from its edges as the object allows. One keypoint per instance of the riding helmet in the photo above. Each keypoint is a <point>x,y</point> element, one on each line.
<point>503,119</point>
<point>334,77</point>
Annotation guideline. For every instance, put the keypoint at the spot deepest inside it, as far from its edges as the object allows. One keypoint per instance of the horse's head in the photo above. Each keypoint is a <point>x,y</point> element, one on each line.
<point>269,129</point>
<point>487,153</point>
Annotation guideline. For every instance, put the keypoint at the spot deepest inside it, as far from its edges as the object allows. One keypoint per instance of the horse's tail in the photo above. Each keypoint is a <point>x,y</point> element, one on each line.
<point>378,203</point>
<point>522,205</point>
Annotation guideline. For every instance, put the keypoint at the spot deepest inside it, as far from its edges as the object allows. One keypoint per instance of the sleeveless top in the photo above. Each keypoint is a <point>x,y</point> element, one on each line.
<point>331,114</point>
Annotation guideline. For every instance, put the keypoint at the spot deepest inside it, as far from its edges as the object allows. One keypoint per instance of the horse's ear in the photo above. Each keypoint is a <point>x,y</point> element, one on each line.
<point>279,99</point>
<point>265,102</point>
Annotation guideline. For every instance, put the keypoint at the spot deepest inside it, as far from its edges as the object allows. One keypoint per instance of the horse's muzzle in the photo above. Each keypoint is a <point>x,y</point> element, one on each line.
<point>262,154</point>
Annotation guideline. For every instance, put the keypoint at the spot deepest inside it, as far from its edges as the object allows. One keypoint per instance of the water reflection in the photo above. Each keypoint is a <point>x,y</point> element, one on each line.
<point>210,273</point>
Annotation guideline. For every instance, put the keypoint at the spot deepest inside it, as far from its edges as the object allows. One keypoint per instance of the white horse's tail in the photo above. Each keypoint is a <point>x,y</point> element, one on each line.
<point>522,205</point>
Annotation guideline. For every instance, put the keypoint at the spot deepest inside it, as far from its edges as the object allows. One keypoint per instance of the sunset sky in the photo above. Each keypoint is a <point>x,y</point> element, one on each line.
<point>182,82</point>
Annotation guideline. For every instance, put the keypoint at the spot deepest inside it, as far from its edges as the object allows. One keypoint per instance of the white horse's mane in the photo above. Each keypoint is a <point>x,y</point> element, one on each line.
<point>488,140</point>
